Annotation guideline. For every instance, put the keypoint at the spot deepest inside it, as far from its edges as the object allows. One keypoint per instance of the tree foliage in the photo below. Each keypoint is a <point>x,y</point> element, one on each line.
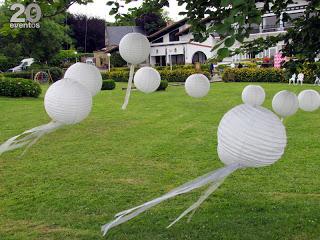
<point>95,32</point>
<point>150,16</point>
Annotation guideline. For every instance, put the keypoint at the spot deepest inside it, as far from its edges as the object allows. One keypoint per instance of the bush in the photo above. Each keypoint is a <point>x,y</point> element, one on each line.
<point>24,75</point>
<point>179,75</point>
<point>56,73</point>
<point>253,75</point>
<point>116,75</point>
<point>108,84</point>
<point>176,75</point>
<point>15,87</point>
<point>163,85</point>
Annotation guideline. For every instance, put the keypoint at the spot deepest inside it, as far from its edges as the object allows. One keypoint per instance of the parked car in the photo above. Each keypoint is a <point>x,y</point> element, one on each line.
<point>25,63</point>
<point>90,61</point>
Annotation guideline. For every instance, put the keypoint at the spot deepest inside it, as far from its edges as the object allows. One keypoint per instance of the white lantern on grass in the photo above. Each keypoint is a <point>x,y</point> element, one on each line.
<point>147,79</point>
<point>309,100</point>
<point>197,85</point>
<point>285,103</point>
<point>86,74</point>
<point>134,48</point>
<point>67,102</point>
<point>247,137</point>
<point>253,95</point>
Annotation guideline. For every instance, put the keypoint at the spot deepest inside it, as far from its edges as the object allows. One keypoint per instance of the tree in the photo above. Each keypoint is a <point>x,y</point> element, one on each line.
<point>233,20</point>
<point>41,44</point>
<point>88,33</point>
<point>150,16</point>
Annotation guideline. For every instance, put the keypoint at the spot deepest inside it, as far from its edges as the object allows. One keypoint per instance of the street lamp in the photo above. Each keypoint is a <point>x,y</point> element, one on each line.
<point>76,55</point>
<point>109,62</point>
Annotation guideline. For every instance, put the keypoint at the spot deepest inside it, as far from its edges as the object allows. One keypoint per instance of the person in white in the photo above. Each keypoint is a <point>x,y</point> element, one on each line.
<point>317,81</point>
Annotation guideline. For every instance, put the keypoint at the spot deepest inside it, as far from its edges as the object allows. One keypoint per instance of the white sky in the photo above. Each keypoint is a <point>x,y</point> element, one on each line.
<point>99,9</point>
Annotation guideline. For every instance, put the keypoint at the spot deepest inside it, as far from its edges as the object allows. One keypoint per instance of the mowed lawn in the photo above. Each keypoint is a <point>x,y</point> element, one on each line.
<point>75,179</point>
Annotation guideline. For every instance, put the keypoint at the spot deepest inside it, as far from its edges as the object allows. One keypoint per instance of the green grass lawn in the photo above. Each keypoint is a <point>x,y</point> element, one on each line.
<point>75,179</point>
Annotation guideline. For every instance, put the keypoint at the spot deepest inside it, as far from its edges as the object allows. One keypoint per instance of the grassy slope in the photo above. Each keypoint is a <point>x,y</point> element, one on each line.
<point>74,180</point>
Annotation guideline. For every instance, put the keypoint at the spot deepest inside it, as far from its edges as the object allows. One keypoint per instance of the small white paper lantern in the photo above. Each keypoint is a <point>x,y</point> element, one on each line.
<point>285,103</point>
<point>67,102</point>
<point>197,85</point>
<point>86,74</point>
<point>134,48</point>
<point>253,95</point>
<point>251,136</point>
<point>147,79</point>
<point>309,100</point>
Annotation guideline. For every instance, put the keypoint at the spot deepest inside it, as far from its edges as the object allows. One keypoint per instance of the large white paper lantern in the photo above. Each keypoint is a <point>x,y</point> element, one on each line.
<point>309,100</point>
<point>147,79</point>
<point>197,85</point>
<point>134,48</point>
<point>67,102</point>
<point>251,137</point>
<point>247,137</point>
<point>285,103</point>
<point>253,95</point>
<point>86,74</point>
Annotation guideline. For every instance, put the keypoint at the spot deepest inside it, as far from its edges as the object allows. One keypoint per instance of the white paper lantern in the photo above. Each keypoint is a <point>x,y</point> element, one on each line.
<point>147,79</point>
<point>285,103</point>
<point>67,101</point>
<point>251,136</point>
<point>86,74</point>
<point>309,100</point>
<point>253,95</point>
<point>197,85</point>
<point>134,48</point>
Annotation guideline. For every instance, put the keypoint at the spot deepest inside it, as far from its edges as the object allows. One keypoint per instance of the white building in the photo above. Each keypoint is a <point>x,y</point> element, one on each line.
<point>174,44</point>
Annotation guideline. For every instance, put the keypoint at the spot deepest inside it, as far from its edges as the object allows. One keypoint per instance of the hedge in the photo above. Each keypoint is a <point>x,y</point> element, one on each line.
<point>56,73</point>
<point>177,75</point>
<point>163,85</point>
<point>108,84</point>
<point>16,87</point>
<point>253,75</point>
<point>24,75</point>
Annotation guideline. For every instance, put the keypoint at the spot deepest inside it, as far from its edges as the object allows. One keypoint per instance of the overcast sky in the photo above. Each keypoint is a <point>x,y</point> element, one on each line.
<point>99,9</point>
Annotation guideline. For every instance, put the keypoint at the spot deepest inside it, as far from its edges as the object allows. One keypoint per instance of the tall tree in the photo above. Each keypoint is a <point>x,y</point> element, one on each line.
<point>88,33</point>
<point>42,43</point>
<point>150,16</point>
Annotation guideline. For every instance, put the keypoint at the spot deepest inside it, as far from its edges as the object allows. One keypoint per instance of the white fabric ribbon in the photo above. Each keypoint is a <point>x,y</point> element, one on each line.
<point>126,99</point>
<point>214,178</point>
<point>28,137</point>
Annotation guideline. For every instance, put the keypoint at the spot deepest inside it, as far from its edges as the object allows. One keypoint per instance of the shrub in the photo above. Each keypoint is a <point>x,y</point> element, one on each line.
<point>15,87</point>
<point>56,73</point>
<point>108,84</point>
<point>253,75</point>
<point>163,85</point>
<point>24,75</point>
<point>179,75</point>
<point>176,75</point>
<point>116,75</point>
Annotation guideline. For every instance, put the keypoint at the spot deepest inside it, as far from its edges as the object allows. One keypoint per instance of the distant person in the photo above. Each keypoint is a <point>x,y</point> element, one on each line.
<point>240,65</point>
<point>211,69</point>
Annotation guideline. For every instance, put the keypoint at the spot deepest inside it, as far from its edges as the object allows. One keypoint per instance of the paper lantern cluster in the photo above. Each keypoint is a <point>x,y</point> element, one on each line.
<point>135,48</point>
<point>67,101</point>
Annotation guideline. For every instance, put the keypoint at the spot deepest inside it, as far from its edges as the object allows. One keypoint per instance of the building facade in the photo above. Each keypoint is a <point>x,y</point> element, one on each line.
<point>174,44</point>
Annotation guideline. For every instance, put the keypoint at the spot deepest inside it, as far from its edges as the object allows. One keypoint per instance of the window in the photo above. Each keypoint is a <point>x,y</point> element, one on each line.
<point>159,40</point>
<point>173,37</point>
<point>270,24</point>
